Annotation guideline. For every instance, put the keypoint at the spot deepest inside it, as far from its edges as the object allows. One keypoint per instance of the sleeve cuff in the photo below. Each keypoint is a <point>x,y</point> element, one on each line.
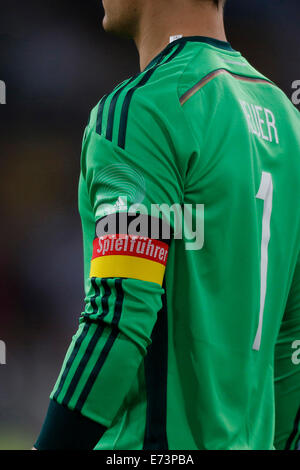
<point>64,429</point>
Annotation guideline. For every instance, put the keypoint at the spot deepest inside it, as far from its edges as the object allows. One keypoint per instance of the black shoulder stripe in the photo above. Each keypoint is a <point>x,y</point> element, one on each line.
<point>125,107</point>
<point>175,53</point>
<point>100,115</point>
<point>112,109</point>
<point>129,95</point>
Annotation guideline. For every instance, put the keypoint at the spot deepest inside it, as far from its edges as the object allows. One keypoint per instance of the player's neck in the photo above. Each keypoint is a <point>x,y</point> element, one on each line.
<point>156,27</point>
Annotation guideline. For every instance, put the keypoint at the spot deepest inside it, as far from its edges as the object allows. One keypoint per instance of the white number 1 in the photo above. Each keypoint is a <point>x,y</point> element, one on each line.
<point>266,194</point>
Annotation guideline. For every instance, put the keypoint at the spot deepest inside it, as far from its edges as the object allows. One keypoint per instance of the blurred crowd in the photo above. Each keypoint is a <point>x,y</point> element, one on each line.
<point>57,63</point>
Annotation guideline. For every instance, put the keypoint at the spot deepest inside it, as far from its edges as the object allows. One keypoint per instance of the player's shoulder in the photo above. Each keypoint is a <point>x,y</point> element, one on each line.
<point>215,62</point>
<point>150,92</point>
<point>94,113</point>
<point>160,89</point>
<point>216,58</point>
<point>155,85</point>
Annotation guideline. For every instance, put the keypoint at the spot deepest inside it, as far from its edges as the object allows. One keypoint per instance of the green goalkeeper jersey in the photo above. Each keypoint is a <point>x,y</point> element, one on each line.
<point>189,340</point>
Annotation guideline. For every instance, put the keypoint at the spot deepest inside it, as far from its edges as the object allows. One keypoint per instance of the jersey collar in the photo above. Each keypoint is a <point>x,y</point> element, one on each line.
<point>204,39</point>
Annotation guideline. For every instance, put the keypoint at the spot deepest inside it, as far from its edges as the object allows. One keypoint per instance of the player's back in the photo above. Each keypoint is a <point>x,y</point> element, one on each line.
<point>228,299</point>
<point>203,127</point>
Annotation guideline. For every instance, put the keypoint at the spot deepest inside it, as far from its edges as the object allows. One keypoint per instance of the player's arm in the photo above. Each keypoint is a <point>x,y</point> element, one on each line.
<point>287,372</point>
<point>124,292</point>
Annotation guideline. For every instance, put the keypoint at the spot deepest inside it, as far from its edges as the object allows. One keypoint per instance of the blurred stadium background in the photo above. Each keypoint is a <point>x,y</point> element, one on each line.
<point>57,63</point>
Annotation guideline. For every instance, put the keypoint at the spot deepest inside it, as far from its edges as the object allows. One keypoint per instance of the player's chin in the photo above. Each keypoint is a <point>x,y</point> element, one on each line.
<point>106,24</point>
<point>116,28</point>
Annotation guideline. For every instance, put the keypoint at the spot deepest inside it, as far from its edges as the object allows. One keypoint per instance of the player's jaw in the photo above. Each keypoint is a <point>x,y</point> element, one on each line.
<point>121,17</point>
